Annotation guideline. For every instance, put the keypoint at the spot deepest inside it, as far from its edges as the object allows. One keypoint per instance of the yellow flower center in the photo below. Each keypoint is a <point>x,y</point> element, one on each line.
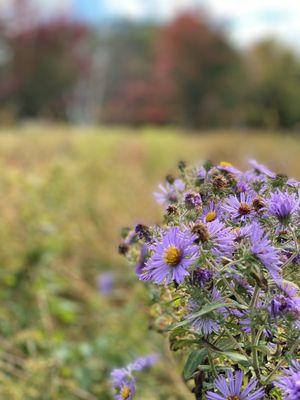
<point>233,398</point>
<point>172,256</point>
<point>211,216</point>
<point>244,209</point>
<point>125,392</point>
<point>225,164</point>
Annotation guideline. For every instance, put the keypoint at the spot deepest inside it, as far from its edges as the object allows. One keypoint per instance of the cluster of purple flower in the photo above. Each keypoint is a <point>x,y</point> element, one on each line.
<point>228,254</point>
<point>123,379</point>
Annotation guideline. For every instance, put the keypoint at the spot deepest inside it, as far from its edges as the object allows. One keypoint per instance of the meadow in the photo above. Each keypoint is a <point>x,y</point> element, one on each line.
<point>65,194</point>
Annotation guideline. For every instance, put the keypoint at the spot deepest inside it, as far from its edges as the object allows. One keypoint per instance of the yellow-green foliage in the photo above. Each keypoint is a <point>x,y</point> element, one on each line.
<point>64,195</point>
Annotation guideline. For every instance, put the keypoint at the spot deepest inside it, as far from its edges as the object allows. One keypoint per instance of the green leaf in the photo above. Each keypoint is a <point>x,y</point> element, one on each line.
<point>204,310</point>
<point>194,359</point>
<point>235,356</point>
<point>207,309</point>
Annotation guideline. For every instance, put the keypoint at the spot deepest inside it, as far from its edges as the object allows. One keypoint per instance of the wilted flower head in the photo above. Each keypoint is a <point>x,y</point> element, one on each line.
<point>192,199</point>
<point>231,388</point>
<point>172,256</point>
<point>201,276</point>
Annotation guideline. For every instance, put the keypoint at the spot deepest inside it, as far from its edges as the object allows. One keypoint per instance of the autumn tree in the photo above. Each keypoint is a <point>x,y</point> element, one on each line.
<point>201,68</point>
<point>46,60</point>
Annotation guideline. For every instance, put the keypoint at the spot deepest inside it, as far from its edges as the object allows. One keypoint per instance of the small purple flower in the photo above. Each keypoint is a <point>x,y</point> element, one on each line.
<point>282,305</point>
<point>172,257</point>
<point>118,375</point>
<point>126,390</point>
<point>289,383</point>
<point>202,173</point>
<point>261,169</point>
<point>262,248</point>
<point>287,303</point>
<point>283,205</point>
<point>192,199</point>
<point>293,183</point>
<point>220,238</point>
<point>239,208</point>
<point>231,388</point>
<point>122,378</point>
<point>142,363</point>
<point>105,283</point>
<point>210,212</point>
<point>169,193</point>
<point>205,324</point>
<point>228,167</point>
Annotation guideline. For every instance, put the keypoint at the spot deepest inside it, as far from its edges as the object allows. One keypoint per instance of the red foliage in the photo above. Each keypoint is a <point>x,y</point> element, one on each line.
<point>47,59</point>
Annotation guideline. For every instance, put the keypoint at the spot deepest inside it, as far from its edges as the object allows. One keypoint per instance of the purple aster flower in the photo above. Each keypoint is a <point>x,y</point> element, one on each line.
<point>142,363</point>
<point>289,383</point>
<point>228,167</point>
<point>287,303</point>
<point>118,375</point>
<point>172,257</point>
<point>261,248</point>
<point>294,183</point>
<point>239,207</point>
<point>206,324</point>
<point>261,169</point>
<point>192,199</point>
<point>231,388</point>
<point>210,212</point>
<point>283,205</point>
<point>252,183</point>
<point>283,305</point>
<point>216,237</point>
<point>105,283</point>
<point>289,288</point>
<point>169,193</point>
<point>202,173</point>
<point>126,390</point>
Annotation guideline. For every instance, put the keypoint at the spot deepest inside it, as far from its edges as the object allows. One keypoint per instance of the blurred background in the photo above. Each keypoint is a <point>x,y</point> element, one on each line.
<point>99,99</point>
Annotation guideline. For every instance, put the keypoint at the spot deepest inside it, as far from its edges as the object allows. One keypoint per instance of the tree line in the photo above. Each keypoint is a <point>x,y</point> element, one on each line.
<point>185,72</point>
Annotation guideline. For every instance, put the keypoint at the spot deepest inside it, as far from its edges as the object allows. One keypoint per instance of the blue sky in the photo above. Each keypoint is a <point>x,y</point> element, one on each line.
<point>246,20</point>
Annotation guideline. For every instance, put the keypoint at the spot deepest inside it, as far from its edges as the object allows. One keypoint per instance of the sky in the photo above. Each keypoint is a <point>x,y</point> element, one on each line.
<point>245,20</point>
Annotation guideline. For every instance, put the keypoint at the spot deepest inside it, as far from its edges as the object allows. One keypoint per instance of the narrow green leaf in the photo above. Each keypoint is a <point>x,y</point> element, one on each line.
<point>207,309</point>
<point>195,358</point>
<point>235,356</point>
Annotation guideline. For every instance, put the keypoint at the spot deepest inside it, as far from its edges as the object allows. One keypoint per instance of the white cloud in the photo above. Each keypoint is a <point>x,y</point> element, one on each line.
<point>247,20</point>
<point>129,8</point>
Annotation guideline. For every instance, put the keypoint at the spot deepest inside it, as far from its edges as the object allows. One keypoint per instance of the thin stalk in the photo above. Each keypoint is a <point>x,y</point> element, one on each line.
<point>211,362</point>
<point>255,337</point>
<point>293,347</point>
<point>238,345</point>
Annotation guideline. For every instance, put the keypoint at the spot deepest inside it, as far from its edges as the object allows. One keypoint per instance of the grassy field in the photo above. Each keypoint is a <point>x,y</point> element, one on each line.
<point>64,195</point>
